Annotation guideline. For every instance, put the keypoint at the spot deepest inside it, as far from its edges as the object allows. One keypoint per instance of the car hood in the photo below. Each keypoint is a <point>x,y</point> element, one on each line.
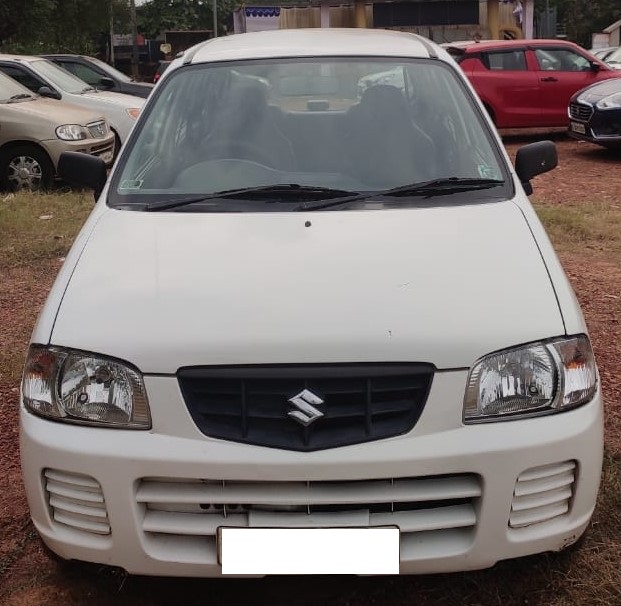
<point>120,99</point>
<point>443,285</point>
<point>52,111</point>
<point>596,92</point>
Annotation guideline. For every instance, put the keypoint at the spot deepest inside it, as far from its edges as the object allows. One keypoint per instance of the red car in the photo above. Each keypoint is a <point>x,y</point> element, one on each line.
<point>528,83</point>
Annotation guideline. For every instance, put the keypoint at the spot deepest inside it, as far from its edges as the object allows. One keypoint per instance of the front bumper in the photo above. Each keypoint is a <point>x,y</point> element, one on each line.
<point>464,497</point>
<point>102,148</point>
<point>602,128</point>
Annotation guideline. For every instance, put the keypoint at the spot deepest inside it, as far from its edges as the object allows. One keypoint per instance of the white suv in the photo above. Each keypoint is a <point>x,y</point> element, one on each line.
<point>311,326</point>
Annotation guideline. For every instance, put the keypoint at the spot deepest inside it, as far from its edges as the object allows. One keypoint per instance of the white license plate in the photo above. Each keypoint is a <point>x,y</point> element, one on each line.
<point>259,551</point>
<point>578,128</point>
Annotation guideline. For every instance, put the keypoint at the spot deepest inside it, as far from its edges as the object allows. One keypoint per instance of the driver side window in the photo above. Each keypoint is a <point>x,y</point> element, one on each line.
<point>561,59</point>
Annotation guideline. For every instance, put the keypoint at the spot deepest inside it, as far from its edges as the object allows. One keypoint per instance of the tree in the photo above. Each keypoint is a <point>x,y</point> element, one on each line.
<point>75,26</point>
<point>581,18</point>
<point>18,18</point>
<point>156,16</point>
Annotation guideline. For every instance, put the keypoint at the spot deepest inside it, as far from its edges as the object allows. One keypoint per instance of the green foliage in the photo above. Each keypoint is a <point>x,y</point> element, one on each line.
<point>156,16</point>
<point>18,18</point>
<point>582,18</point>
<point>74,26</point>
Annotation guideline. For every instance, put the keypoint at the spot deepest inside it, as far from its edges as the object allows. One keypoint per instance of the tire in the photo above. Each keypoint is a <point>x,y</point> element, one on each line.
<point>25,167</point>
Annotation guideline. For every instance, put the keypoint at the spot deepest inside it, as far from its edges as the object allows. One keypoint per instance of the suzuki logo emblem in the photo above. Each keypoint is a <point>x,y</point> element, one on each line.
<point>305,411</point>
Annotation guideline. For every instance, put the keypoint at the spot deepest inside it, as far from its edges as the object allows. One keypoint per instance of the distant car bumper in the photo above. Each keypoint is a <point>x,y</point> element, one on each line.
<point>463,497</point>
<point>102,148</point>
<point>602,128</point>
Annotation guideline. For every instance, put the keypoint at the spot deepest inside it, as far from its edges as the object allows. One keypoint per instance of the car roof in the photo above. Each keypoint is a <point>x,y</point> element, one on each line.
<point>312,42</point>
<point>474,46</point>
<point>20,58</point>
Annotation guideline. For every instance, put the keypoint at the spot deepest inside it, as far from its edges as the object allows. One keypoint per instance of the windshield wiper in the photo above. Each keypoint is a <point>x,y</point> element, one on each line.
<point>281,190</point>
<point>20,96</point>
<point>88,89</point>
<point>435,187</point>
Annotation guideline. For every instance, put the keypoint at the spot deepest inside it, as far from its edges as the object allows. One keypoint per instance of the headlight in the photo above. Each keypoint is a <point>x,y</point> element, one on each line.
<point>610,102</point>
<point>71,132</point>
<point>133,112</point>
<point>79,387</point>
<point>535,379</point>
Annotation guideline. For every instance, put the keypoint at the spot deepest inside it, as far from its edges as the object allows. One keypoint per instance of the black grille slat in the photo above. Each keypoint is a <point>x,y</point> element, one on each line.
<point>361,402</point>
<point>580,112</point>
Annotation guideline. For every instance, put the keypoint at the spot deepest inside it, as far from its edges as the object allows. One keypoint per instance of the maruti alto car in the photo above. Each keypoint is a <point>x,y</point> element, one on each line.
<point>311,326</point>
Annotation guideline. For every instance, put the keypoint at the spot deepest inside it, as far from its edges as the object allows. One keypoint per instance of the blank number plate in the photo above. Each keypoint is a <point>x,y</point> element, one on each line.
<point>578,128</point>
<point>259,551</point>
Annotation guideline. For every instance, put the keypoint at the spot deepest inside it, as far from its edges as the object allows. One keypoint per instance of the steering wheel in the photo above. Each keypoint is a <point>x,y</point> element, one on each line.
<point>240,150</point>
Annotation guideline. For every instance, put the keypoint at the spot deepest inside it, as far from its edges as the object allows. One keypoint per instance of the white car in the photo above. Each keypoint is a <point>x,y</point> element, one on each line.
<point>311,329</point>
<point>46,78</point>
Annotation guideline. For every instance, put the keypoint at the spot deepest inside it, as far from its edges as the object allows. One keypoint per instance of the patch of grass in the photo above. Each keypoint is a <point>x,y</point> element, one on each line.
<point>36,226</point>
<point>596,226</point>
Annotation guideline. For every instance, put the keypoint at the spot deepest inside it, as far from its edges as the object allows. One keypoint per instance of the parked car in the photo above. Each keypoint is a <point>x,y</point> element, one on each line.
<point>48,79</point>
<point>613,59</point>
<point>161,68</point>
<point>528,83</point>
<point>602,53</point>
<point>595,114</point>
<point>34,132</point>
<point>101,75</point>
<point>293,319</point>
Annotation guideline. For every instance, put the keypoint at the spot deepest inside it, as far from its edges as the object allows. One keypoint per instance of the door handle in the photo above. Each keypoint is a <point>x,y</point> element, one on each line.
<point>549,79</point>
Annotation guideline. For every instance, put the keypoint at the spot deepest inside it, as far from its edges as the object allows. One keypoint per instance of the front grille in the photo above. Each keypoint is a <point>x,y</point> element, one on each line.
<point>76,500</point>
<point>435,515</point>
<point>542,493</point>
<point>342,404</point>
<point>98,130</point>
<point>579,111</point>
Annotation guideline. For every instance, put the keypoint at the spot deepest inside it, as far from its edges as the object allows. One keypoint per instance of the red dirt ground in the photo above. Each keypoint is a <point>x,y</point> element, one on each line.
<point>28,577</point>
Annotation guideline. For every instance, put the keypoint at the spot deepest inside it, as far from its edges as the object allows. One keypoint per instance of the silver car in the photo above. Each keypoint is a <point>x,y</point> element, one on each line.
<point>34,132</point>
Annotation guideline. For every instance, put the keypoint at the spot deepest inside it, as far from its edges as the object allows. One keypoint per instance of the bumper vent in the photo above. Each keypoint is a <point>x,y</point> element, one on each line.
<point>580,112</point>
<point>76,500</point>
<point>435,514</point>
<point>309,407</point>
<point>542,493</point>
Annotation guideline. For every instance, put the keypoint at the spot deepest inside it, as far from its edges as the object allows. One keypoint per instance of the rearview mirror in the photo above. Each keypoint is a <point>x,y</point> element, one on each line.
<point>46,91</point>
<point>83,170</point>
<point>534,159</point>
<point>106,82</point>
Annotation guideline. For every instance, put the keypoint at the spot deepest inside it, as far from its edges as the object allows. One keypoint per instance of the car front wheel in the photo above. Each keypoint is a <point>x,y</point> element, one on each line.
<point>25,167</point>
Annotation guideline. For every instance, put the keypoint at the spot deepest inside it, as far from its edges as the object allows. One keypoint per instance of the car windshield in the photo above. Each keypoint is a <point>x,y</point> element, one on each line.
<point>110,70</point>
<point>59,77</point>
<point>614,56</point>
<point>307,129</point>
<point>11,90</point>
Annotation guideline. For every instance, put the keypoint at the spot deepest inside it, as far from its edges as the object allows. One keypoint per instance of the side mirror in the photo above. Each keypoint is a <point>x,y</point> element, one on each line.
<point>83,170</point>
<point>106,82</point>
<point>46,91</point>
<point>534,159</point>
<point>595,67</point>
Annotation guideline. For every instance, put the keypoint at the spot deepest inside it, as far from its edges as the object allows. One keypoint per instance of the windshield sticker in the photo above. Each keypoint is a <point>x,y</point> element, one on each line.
<point>131,184</point>
<point>486,172</point>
